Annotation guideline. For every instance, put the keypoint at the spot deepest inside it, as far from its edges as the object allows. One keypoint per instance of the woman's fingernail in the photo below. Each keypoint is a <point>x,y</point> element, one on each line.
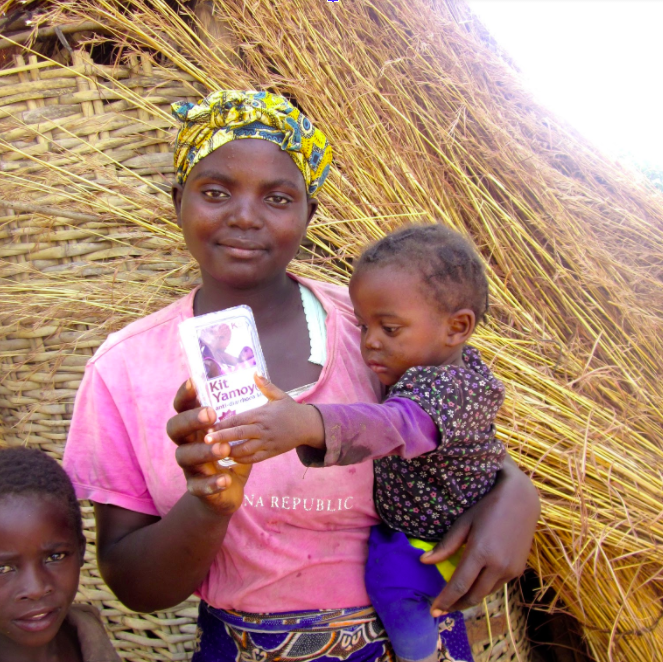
<point>438,612</point>
<point>209,439</point>
<point>217,450</point>
<point>221,481</point>
<point>425,555</point>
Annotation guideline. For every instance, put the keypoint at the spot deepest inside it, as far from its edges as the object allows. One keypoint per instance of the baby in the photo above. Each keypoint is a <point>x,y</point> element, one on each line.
<point>417,295</point>
<point>41,554</point>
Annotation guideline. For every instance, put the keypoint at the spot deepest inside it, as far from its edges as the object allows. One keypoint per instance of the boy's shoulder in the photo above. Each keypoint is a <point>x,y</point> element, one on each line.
<point>92,638</point>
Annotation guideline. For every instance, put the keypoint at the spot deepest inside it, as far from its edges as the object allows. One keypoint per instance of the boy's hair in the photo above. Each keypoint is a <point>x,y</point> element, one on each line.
<point>449,265</point>
<point>28,471</point>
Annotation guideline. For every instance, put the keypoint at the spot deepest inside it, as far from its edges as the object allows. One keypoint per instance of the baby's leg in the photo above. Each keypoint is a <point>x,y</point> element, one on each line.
<point>401,588</point>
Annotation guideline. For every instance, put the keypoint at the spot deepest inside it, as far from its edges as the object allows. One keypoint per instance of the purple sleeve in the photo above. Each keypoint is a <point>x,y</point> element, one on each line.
<point>359,432</point>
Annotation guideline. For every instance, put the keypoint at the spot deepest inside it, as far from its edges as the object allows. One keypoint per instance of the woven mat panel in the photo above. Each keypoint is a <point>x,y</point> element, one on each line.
<point>497,628</point>
<point>70,118</point>
<point>164,635</point>
<point>74,240</point>
<point>58,119</point>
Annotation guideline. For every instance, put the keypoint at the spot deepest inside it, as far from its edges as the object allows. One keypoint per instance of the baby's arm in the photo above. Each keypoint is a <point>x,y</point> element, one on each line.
<point>326,435</point>
<point>429,407</point>
<point>360,431</point>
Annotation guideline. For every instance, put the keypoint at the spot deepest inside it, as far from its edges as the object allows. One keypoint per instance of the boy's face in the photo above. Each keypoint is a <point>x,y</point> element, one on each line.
<point>400,326</point>
<point>40,562</point>
<point>243,211</point>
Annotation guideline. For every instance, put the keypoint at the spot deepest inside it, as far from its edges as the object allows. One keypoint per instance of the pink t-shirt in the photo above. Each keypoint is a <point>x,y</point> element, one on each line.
<point>299,541</point>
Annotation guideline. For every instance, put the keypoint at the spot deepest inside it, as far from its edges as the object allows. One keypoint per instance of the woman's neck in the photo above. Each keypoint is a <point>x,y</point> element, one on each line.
<point>268,301</point>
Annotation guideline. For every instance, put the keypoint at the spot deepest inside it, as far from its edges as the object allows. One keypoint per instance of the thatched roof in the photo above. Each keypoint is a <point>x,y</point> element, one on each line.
<point>429,123</point>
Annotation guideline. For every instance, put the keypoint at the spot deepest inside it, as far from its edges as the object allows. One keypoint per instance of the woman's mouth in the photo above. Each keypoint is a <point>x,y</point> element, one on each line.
<point>38,621</point>
<point>241,250</point>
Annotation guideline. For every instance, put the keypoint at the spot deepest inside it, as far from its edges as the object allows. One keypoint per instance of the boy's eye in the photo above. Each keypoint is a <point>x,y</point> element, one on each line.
<point>363,328</point>
<point>57,556</point>
<point>390,330</point>
<point>4,569</point>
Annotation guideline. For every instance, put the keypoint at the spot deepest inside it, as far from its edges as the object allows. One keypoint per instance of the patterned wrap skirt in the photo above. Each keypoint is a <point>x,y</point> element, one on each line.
<point>353,635</point>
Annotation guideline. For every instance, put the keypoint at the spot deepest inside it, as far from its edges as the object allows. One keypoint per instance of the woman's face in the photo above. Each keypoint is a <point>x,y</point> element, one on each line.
<point>243,211</point>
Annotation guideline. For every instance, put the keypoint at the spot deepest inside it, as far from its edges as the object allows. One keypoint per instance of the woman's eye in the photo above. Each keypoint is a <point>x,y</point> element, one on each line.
<point>58,556</point>
<point>277,199</point>
<point>4,569</point>
<point>215,194</point>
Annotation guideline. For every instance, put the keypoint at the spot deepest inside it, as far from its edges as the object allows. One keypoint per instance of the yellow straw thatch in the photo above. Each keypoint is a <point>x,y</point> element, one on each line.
<point>428,123</point>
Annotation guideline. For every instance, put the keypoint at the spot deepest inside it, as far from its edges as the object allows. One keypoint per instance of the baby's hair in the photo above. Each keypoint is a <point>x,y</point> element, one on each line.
<point>210,334</point>
<point>449,265</point>
<point>28,471</point>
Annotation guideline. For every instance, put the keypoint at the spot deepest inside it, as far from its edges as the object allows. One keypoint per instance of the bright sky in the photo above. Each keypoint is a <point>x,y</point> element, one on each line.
<point>596,63</point>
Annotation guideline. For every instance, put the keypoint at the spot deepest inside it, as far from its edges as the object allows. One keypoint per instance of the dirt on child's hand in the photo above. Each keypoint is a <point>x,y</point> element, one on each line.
<point>273,429</point>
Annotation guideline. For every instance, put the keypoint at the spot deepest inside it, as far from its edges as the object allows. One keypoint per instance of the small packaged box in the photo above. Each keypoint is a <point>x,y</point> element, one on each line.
<point>224,353</point>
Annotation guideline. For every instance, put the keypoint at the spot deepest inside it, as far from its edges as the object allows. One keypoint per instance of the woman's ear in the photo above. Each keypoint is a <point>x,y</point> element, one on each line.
<point>312,208</point>
<point>460,326</point>
<point>176,194</point>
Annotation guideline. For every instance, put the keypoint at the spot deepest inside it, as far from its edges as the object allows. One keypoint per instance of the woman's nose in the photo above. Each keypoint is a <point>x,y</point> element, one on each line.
<point>244,214</point>
<point>36,583</point>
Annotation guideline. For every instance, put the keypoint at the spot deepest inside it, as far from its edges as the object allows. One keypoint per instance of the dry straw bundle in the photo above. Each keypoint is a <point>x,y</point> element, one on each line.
<point>428,123</point>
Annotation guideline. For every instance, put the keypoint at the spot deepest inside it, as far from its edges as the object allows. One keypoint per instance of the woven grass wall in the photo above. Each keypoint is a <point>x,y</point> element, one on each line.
<point>429,123</point>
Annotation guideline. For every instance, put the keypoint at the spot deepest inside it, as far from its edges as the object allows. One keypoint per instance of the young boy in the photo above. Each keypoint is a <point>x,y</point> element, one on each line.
<point>41,554</point>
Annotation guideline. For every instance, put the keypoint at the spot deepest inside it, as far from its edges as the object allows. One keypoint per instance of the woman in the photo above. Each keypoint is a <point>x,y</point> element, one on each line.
<point>168,524</point>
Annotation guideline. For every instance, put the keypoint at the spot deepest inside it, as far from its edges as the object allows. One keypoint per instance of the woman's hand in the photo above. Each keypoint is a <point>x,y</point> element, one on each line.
<point>275,428</point>
<point>497,534</point>
<point>220,489</point>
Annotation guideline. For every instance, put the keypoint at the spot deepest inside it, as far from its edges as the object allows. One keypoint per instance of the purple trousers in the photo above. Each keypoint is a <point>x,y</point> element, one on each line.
<point>401,589</point>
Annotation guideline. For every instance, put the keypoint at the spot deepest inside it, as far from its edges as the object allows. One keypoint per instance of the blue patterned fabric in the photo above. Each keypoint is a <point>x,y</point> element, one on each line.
<point>351,635</point>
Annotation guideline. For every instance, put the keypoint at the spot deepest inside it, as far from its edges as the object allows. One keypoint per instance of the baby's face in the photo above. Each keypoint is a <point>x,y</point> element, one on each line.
<point>39,568</point>
<point>222,335</point>
<point>400,326</point>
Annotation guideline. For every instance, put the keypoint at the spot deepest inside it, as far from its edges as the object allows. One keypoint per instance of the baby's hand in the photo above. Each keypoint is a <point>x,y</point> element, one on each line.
<point>275,428</point>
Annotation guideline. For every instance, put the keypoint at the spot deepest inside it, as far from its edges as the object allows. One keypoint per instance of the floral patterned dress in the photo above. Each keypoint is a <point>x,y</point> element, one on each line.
<point>423,496</point>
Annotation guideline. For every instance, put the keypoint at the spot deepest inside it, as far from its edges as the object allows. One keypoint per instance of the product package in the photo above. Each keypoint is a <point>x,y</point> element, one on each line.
<point>224,353</point>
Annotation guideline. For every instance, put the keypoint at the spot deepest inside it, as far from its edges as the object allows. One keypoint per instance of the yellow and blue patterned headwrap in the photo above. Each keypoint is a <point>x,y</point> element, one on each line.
<point>232,114</point>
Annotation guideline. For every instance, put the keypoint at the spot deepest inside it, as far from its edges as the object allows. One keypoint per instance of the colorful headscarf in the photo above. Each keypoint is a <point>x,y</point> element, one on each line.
<point>232,114</point>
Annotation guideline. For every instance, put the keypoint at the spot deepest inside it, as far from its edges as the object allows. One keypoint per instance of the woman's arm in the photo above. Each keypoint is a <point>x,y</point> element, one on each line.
<point>497,533</point>
<point>154,563</point>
